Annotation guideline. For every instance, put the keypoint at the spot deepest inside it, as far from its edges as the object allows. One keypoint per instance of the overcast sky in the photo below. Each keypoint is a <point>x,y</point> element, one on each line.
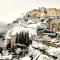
<point>12,9</point>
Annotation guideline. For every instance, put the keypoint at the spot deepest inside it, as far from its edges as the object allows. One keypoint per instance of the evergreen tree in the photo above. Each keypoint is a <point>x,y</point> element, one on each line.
<point>23,38</point>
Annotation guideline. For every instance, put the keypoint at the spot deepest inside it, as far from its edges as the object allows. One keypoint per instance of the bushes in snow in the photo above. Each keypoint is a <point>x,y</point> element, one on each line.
<point>23,38</point>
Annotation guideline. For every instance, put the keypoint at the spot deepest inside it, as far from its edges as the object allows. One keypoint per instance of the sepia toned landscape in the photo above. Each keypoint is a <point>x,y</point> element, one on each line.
<point>35,35</point>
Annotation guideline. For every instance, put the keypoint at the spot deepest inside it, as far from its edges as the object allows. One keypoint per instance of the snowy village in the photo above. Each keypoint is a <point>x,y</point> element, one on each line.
<point>35,36</point>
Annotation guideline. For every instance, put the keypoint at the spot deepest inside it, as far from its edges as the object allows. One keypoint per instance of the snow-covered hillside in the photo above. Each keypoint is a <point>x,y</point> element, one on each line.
<point>44,48</point>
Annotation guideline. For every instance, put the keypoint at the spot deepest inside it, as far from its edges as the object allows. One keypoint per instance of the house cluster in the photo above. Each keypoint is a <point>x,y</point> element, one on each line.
<point>40,12</point>
<point>53,25</point>
<point>51,14</point>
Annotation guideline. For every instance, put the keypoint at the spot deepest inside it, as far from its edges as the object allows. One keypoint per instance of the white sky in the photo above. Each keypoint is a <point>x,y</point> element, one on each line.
<point>12,9</point>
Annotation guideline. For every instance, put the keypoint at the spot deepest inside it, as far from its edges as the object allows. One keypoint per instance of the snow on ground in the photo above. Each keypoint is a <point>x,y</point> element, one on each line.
<point>33,52</point>
<point>46,38</point>
<point>25,58</point>
<point>54,51</point>
<point>5,55</point>
<point>39,45</point>
<point>44,57</point>
<point>36,25</point>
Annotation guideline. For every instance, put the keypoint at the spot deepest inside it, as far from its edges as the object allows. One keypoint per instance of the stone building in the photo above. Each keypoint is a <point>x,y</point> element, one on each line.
<point>10,41</point>
<point>58,12</point>
<point>13,40</point>
<point>51,12</point>
<point>28,14</point>
<point>35,13</point>
<point>54,25</point>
